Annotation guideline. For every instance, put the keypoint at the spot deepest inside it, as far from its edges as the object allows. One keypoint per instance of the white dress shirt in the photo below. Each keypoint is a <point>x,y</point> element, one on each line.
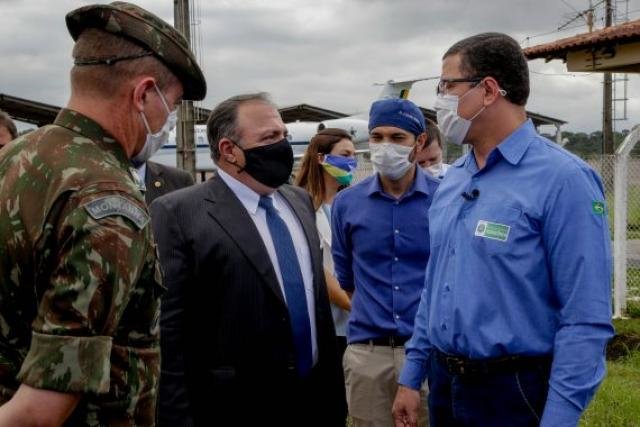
<point>142,171</point>
<point>250,200</point>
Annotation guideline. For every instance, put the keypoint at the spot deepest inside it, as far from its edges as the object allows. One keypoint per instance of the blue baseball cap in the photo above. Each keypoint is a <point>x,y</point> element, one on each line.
<point>400,113</point>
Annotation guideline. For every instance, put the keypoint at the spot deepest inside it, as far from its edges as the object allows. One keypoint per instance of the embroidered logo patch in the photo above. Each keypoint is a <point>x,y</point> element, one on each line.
<point>597,207</point>
<point>492,230</point>
<point>117,205</point>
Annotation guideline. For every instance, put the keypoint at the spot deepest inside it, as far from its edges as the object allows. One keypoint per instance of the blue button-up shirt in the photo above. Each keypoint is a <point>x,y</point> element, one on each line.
<point>522,269</point>
<point>380,249</point>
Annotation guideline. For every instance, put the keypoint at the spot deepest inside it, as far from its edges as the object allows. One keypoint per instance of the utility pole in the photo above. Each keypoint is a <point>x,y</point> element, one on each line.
<point>607,99</point>
<point>185,145</point>
<point>590,16</point>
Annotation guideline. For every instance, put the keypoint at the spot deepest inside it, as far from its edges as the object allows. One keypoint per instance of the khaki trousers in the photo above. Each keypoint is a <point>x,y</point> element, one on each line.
<point>371,377</point>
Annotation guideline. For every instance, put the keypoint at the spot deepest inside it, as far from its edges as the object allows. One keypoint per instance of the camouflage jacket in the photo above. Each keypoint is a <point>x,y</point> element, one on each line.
<point>79,280</point>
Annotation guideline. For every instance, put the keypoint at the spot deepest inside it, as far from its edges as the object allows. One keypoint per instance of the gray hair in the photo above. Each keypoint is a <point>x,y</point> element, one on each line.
<point>222,122</point>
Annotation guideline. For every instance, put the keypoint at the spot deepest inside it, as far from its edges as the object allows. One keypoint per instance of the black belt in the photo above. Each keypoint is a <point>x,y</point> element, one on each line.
<point>391,341</point>
<point>461,366</point>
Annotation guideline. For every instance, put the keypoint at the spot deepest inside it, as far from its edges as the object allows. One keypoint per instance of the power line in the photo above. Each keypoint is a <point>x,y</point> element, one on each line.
<point>550,32</point>
<point>560,74</point>
<point>580,14</point>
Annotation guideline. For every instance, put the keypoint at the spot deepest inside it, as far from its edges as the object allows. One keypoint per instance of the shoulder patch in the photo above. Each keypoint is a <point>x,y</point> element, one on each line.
<point>117,205</point>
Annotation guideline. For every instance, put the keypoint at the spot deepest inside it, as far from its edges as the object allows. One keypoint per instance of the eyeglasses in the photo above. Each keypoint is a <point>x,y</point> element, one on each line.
<point>443,84</point>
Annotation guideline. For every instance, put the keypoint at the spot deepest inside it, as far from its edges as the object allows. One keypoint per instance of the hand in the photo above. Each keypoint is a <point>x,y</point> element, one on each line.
<point>405,407</point>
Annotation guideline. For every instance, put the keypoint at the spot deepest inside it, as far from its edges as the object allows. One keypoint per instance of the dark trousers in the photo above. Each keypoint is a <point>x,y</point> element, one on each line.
<point>276,400</point>
<point>496,399</point>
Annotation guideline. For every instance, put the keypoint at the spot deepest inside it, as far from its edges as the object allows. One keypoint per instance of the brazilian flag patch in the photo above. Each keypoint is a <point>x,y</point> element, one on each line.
<point>597,207</point>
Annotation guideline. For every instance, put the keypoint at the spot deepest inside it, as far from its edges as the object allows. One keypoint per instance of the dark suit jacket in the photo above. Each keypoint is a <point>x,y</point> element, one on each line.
<point>160,180</point>
<point>227,348</point>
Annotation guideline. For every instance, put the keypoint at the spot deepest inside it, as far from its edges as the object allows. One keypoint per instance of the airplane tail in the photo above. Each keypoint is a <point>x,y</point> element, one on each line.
<point>399,88</point>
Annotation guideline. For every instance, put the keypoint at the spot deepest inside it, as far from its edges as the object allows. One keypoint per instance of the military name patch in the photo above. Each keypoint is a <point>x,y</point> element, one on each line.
<point>597,207</point>
<point>117,205</point>
<point>492,230</point>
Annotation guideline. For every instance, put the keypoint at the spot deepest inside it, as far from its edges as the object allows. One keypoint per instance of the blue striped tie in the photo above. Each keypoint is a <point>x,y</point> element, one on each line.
<point>293,286</point>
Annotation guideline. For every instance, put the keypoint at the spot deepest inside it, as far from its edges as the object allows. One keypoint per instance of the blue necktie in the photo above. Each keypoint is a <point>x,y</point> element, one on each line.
<point>293,286</point>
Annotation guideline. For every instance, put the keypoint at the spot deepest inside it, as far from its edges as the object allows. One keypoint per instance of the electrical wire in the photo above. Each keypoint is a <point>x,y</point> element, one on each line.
<point>561,74</point>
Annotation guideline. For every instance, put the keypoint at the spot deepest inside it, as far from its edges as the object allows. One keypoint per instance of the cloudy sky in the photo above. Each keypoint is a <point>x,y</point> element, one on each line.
<point>327,53</point>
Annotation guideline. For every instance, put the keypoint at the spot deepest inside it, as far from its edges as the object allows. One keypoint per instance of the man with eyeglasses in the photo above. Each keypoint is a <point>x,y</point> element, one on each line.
<point>515,314</point>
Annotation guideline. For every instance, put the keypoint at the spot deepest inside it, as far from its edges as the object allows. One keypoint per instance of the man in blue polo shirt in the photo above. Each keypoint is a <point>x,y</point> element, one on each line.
<point>380,249</point>
<point>515,315</point>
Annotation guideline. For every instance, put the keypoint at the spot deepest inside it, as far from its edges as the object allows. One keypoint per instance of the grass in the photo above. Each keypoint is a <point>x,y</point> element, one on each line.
<point>633,284</point>
<point>617,402</point>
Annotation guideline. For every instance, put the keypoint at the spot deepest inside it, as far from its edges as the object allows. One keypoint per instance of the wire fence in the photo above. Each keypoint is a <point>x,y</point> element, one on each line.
<point>606,165</point>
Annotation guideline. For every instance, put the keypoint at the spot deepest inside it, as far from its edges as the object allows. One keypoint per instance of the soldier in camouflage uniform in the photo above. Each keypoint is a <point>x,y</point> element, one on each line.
<point>79,280</point>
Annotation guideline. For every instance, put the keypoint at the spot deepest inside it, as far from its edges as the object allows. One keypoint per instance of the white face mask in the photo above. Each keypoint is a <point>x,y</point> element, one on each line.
<point>435,170</point>
<point>390,160</point>
<point>453,126</point>
<point>155,141</point>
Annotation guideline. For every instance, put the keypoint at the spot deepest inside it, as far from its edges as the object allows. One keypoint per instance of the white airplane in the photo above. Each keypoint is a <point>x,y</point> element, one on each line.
<point>300,133</point>
<point>167,154</point>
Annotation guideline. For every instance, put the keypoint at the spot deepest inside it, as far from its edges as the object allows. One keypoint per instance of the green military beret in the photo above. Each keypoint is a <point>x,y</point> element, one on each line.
<point>148,30</point>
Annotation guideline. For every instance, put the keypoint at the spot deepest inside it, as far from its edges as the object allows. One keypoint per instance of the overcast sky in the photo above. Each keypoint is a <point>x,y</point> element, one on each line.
<point>327,53</point>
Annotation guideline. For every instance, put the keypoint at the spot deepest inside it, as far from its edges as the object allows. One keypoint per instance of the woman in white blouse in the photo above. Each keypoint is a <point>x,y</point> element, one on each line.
<point>327,167</point>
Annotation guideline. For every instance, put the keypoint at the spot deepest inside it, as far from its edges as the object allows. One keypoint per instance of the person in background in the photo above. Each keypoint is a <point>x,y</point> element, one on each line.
<point>380,247</point>
<point>161,179</point>
<point>327,167</point>
<point>515,316</point>
<point>429,157</point>
<point>8,130</point>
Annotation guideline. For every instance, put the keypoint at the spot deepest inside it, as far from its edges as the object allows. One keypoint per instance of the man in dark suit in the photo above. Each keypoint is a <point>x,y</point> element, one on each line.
<point>160,180</point>
<point>247,333</point>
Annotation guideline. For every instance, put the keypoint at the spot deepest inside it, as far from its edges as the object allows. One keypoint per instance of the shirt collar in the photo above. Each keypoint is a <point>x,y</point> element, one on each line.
<point>419,184</point>
<point>83,125</point>
<point>461,161</point>
<point>512,148</point>
<point>142,171</point>
<point>515,145</point>
<point>246,195</point>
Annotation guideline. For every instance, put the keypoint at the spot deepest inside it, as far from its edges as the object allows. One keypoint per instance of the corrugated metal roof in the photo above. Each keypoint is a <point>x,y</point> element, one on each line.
<point>306,112</point>
<point>623,33</point>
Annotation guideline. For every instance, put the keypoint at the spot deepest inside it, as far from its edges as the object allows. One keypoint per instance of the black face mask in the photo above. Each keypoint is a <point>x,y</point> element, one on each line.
<point>270,164</point>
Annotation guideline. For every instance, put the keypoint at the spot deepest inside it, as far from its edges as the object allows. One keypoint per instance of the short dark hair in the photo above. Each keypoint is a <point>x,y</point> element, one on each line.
<point>495,55</point>
<point>5,120</point>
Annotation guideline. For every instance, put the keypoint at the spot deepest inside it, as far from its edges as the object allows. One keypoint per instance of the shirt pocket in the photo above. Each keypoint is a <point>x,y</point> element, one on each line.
<point>494,229</point>
<point>438,226</point>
